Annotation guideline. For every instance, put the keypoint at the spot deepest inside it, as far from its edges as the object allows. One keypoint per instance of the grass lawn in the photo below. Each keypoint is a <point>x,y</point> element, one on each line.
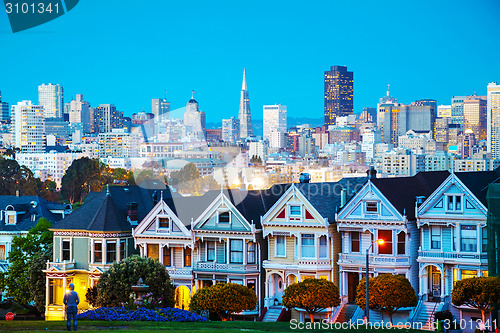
<point>150,327</point>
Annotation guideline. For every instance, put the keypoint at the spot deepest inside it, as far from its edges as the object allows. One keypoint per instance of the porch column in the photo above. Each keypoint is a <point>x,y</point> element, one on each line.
<point>316,246</point>
<point>479,236</point>
<point>443,284</point>
<point>245,253</point>
<point>118,243</point>
<point>47,290</point>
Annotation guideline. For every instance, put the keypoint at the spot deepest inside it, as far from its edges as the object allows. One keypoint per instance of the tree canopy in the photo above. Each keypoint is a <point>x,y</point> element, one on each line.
<point>477,292</point>
<point>83,175</point>
<point>14,177</point>
<point>187,179</point>
<point>24,279</point>
<point>388,293</point>
<point>115,285</point>
<point>312,295</point>
<point>224,299</point>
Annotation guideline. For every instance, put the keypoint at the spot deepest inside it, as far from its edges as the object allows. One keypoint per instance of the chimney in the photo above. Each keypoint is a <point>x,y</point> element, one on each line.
<point>343,197</point>
<point>132,212</point>
<point>371,173</point>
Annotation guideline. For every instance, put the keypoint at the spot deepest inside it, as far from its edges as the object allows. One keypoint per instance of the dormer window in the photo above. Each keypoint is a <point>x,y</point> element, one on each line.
<point>295,210</point>
<point>371,207</point>
<point>224,217</point>
<point>163,223</point>
<point>454,203</point>
<point>11,218</point>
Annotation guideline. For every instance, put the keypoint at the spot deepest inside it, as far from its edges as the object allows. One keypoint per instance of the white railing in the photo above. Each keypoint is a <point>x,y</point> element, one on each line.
<point>179,271</point>
<point>63,266</point>
<point>212,266</point>
<point>452,255</point>
<point>314,262</point>
<point>374,259</point>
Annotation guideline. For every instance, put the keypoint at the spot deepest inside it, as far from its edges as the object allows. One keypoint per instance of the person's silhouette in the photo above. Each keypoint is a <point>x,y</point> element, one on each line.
<point>71,301</point>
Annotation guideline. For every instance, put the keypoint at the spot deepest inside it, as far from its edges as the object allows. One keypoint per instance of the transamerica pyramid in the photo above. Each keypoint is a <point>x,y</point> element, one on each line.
<point>244,114</point>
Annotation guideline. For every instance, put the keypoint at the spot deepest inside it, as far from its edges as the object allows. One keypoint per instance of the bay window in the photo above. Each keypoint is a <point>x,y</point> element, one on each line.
<point>251,259</point>
<point>355,237</point>
<point>323,247</point>
<point>435,237</point>
<point>308,249</point>
<point>210,251</point>
<point>385,248</point>
<point>280,246</point>
<point>236,251</point>
<point>110,252</point>
<point>468,238</point>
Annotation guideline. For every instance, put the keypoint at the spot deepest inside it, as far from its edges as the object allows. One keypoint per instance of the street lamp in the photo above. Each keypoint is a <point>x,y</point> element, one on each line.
<point>367,310</point>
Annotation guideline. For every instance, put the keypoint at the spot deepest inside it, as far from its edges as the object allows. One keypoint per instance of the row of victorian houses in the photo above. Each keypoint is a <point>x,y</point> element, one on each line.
<point>433,225</point>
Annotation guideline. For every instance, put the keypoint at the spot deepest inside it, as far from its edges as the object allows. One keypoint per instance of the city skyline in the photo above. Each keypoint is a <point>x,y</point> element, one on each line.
<point>190,57</point>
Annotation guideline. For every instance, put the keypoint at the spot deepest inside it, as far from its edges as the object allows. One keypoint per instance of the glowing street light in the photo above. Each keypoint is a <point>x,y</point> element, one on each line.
<point>367,309</point>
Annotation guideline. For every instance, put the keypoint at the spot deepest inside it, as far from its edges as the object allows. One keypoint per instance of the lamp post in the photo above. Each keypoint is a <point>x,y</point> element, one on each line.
<point>367,310</point>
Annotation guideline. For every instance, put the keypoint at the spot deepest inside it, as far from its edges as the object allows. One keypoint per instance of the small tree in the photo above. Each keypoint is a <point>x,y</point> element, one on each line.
<point>91,295</point>
<point>115,285</point>
<point>388,293</point>
<point>224,299</point>
<point>312,295</point>
<point>30,250</point>
<point>477,292</point>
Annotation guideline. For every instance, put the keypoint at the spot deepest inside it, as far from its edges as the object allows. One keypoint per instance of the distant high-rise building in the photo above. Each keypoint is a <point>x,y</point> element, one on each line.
<point>369,115</point>
<point>493,116</point>
<point>28,127</point>
<point>397,119</point>
<point>51,97</point>
<point>338,93</point>
<point>384,106</point>
<point>230,129</point>
<point>468,142</point>
<point>106,117</point>
<point>244,114</point>
<point>194,121</point>
<point>59,129</point>
<point>160,108</point>
<point>274,119</point>
<point>4,111</point>
<point>79,113</point>
<point>474,116</point>
<point>457,109</point>
<point>444,111</point>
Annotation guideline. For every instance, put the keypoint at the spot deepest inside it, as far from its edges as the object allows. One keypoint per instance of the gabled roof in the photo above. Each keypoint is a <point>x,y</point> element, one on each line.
<point>325,197</point>
<point>108,212</point>
<point>402,191</point>
<point>477,182</point>
<point>30,205</point>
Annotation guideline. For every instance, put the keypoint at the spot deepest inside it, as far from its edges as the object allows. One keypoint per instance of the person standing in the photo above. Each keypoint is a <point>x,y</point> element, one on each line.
<point>71,301</point>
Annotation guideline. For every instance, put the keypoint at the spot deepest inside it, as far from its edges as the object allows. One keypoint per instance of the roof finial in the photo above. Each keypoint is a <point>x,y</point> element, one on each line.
<point>161,195</point>
<point>107,189</point>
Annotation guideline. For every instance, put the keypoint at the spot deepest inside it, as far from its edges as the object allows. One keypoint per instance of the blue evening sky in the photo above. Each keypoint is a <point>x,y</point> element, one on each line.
<point>127,52</point>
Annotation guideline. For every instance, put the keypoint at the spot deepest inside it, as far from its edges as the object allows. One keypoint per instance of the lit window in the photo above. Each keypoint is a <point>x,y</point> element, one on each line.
<point>98,252</point>
<point>164,222</point>
<point>187,257</point>
<point>386,235</point>
<point>167,257</point>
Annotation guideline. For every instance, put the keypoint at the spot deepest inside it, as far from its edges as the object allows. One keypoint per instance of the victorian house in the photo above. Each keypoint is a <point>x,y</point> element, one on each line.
<point>301,236</point>
<point>90,240</point>
<point>383,209</point>
<point>453,246</point>
<point>20,213</point>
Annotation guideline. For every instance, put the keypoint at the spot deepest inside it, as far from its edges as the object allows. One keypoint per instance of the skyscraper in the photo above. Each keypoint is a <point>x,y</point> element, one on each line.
<point>338,93</point>
<point>50,96</point>
<point>79,113</point>
<point>274,119</point>
<point>457,109</point>
<point>493,109</point>
<point>28,127</point>
<point>160,108</point>
<point>244,114</point>
<point>4,111</point>
<point>230,129</point>
<point>474,116</point>
<point>106,117</point>
<point>194,121</point>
